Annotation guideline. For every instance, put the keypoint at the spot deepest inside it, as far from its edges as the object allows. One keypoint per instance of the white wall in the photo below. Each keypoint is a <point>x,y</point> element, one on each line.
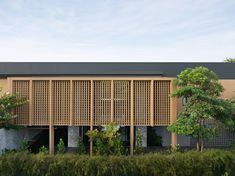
<point>73,133</point>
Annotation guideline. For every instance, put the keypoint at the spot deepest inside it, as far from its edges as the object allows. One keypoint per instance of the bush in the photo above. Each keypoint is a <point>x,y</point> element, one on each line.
<point>210,162</point>
<point>43,150</point>
<point>107,140</point>
<point>60,147</point>
<point>80,146</point>
<point>139,142</point>
<point>24,146</point>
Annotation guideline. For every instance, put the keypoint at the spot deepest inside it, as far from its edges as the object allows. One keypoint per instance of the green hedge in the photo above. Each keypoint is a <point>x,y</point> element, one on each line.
<point>210,162</point>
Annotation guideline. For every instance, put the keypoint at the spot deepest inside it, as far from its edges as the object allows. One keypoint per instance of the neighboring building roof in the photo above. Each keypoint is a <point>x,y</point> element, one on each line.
<point>223,70</point>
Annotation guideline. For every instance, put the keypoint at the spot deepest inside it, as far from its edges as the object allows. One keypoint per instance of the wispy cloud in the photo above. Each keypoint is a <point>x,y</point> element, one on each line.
<point>124,30</point>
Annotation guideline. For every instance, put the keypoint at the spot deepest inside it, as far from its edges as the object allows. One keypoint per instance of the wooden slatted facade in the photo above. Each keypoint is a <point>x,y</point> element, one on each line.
<point>69,101</point>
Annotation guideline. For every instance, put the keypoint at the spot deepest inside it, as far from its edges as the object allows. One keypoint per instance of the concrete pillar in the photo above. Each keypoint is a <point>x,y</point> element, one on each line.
<point>143,132</point>
<point>73,134</point>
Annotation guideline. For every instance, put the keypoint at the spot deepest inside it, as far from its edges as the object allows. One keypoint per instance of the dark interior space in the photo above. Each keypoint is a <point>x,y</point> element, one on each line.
<point>61,132</point>
<point>153,139</point>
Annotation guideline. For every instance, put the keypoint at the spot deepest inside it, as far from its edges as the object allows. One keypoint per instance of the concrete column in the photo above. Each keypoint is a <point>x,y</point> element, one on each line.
<point>143,132</point>
<point>73,134</point>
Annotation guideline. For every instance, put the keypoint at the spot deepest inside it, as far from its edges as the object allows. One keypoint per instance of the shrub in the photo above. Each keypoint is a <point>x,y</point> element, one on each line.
<point>24,146</point>
<point>139,142</point>
<point>80,146</point>
<point>107,140</point>
<point>209,162</point>
<point>43,150</point>
<point>60,147</point>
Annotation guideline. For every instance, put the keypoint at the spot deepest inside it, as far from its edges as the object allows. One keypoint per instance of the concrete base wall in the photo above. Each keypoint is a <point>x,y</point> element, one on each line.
<point>73,134</point>
<point>11,139</point>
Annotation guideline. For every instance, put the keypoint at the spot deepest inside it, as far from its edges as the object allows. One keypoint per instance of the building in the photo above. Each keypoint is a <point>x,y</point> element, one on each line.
<point>79,96</point>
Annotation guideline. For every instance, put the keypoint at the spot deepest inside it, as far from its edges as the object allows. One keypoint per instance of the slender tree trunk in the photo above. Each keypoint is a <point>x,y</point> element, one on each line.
<point>202,145</point>
<point>198,145</point>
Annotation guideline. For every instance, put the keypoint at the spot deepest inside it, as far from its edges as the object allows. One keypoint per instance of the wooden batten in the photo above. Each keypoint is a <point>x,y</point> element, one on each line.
<point>151,104</point>
<point>173,114</point>
<point>51,127</point>
<point>30,103</point>
<point>92,115</point>
<point>132,121</point>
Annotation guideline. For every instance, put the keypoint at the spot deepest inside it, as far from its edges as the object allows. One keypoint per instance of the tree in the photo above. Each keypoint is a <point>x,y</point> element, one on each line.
<point>8,102</point>
<point>230,60</point>
<point>201,88</point>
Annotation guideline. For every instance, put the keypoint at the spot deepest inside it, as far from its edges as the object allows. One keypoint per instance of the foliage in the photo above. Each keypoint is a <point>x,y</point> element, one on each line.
<point>173,149</point>
<point>24,146</point>
<point>209,162</point>
<point>80,146</point>
<point>202,89</point>
<point>60,147</point>
<point>107,140</point>
<point>7,103</point>
<point>230,60</point>
<point>139,142</point>
<point>43,150</point>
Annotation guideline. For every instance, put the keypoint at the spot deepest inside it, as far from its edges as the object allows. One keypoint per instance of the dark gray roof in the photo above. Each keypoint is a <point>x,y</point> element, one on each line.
<point>223,70</point>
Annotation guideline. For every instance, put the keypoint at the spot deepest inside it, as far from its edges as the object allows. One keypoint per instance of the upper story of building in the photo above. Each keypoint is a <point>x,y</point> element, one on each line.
<point>84,94</point>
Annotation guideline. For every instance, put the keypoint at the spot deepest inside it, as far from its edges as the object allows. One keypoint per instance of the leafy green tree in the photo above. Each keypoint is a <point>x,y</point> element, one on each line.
<point>8,102</point>
<point>201,88</point>
<point>230,60</point>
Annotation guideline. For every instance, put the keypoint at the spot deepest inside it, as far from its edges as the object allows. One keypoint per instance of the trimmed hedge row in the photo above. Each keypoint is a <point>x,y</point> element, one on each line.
<point>210,162</point>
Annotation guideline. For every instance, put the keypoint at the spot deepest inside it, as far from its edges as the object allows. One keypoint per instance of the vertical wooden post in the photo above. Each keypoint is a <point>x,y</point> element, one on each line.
<point>92,114</point>
<point>51,139</point>
<point>132,121</point>
<point>30,103</point>
<point>71,103</point>
<point>51,127</point>
<point>112,101</point>
<point>173,114</point>
<point>151,105</point>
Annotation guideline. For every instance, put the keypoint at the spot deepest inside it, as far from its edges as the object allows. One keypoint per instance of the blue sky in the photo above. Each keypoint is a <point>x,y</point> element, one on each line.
<point>117,30</point>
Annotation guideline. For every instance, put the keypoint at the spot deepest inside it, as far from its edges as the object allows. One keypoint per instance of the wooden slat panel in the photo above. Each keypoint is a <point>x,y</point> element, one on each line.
<point>40,102</point>
<point>61,102</point>
<point>21,88</point>
<point>102,102</point>
<point>81,102</point>
<point>162,102</point>
<point>122,102</point>
<point>142,103</point>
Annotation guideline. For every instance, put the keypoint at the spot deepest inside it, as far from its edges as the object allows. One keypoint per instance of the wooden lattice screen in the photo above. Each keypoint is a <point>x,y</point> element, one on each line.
<point>161,102</point>
<point>122,102</point>
<point>21,88</point>
<point>80,102</point>
<point>142,102</point>
<point>102,102</point>
<point>40,102</point>
<point>61,102</point>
